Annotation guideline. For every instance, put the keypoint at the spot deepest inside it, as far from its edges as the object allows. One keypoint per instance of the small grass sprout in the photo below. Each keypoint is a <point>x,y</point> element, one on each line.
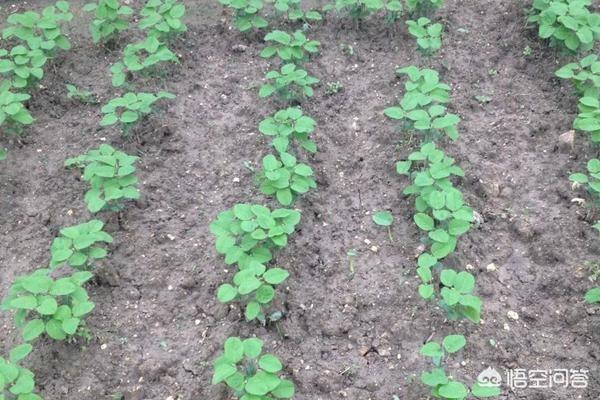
<point>285,178</point>
<point>80,245</point>
<point>17,382</point>
<point>585,75</point>
<point>422,107</point>
<point>290,84</point>
<point>255,287</point>
<point>141,58</point>
<point>163,19</point>
<point>40,31</point>
<point>129,109</point>
<point>22,66</point>
<point>246,233</point>
<point>111,174</point>
<point>289,124</point>
<point>289,47</point>
<point>249,373</point>
<point>428,35</point>
<point>111,18</point>
<point>567,23</point>
<point>247,15</point>
<point>56,307</point>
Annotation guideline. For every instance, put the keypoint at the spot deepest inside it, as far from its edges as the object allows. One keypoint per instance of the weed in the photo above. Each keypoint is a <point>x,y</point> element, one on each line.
<point>111,174</point>
<point>289,84</point>
<point>111,18</point>
<point>289,124</point>
<point>47,305</point>
<point>423,7</point>
<point>361,9</point>
<point>250,374</point>
<point>80,245</point>
<point>285,177</point>
<point>527,51</point>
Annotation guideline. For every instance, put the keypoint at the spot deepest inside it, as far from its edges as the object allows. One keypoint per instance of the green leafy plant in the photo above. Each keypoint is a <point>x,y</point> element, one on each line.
<point>83,96</point>
<point>111,18</point>
<point>111,174</point>
<point>289,124</point>
<point>40,31</point>
<point>567,23</point>
<point>43,304</point>
<point>361,9</point>
<point>255,287</point>
<point>588,119</point>
<point>444,386</point>
<point>591,181</point>
<point>585,75</point>
<point>423,7</point>
<point>285,178</point>
<point>247,15</point>
<point>293,11</point>
<point>593,295</point>
<point>141,58</point>
<point>422,107</point>
<point>384,218</point>
<point>163,19</point>
<point>290,84</point>
<point>289,47</point>
<point>80,245</point>
<point>428,35</point>
<point>129,109</point>
<point>251,375</point>
<point>13,112</point>
<point>17,382</point>
<point>246,233</point>
<point>22,66</point>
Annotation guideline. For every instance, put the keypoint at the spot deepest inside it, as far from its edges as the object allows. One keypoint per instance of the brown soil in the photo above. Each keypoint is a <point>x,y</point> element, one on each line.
<point>157,325</point>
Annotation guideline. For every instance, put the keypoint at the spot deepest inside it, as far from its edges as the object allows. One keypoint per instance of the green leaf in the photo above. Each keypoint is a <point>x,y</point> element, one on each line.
<point>453,343</point>
<point>47,305</point>
<point>222,372</point>
<point>252,347</point>
<point>453,390</point>
<point>19,352</point>
<point>275,276</point>
<point>234,349</point>
<point>593,295</point>
<point>37,284</point>
<point>70,325</point>
<point>33,329</point>
<point>270,363</point>
<point>485,391</point>
<point>262,383</point>
<point>265,294</point>
<point>383,218</point>
<point>24,302</point>
<point>285,390</point>
<point>253,310</point>
<point>432,349</point>
<point>226,293</point>
<point>82,309</point>
<point>424,221</point>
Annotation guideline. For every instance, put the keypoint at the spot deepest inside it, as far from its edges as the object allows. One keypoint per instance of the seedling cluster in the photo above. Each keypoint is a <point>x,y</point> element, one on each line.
<point>111,18</point>
<point>427,34</point>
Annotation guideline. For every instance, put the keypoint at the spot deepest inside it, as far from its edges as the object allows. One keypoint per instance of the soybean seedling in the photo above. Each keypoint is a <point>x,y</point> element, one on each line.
<point>293,11</point>
<point>290,84</point>
<point>250,374</point>
<point>567,23</point>
<point>43,304</point>
<point>13,113</point>
<point>246,233</point>
<point>444,386</point>
<point>385,218</point>
<point>111,18</point>
<point>289,124</point>
<point>255,288</point>
<point>294,47</point>
<point>585,75</point>
<point>83,96</point>
<point>423,7</point>
<point>128,110</point>
<point>588,119</point>
<point>285,178</point>
<point>111,174</point>
<point>247,14</point>
<point>22,66</point>
<point>163,19</point>
<point>17,382</point>
<point>79,245</point>
<point>591,181</point>
<point>361,9</point>
<point>40,31</point>
<point>428,35</point>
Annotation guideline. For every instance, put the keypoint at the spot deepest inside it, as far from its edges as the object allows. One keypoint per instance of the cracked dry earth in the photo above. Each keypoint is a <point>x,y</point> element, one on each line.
<point>157,325</point>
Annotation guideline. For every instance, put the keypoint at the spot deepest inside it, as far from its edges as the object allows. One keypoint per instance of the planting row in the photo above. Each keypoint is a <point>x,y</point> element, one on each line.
<point>571,26</point>
<point>53,301</point>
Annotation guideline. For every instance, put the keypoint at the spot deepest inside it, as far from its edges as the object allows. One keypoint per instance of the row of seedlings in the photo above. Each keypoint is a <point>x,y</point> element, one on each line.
<point>571,26</point>
<point>36,39</point>
<point>247,234</point>
<point>441,212</point>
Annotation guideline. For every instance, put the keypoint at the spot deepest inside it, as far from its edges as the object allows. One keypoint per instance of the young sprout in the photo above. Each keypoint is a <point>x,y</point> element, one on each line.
<point>385,218</point>
<point>351,254</point>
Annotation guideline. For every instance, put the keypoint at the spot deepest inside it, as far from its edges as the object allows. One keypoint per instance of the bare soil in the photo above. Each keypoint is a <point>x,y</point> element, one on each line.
<point>157,324</point>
